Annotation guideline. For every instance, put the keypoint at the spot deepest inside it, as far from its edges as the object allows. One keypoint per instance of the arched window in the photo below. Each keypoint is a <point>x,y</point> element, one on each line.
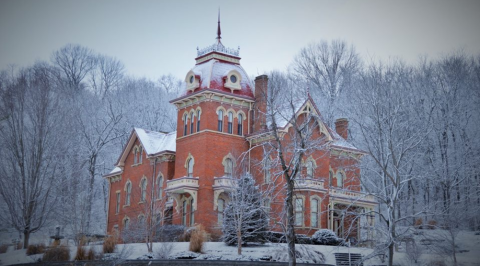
<point>228,167</point>
<point>310,169</point>
<point>330,178</point>
<point>314,213</point>
<point>159,186</point>
<point>128,191</point>
<point>143,188</point>
<point>117,205</point>
<point>185,124</point>
<point>191,123</point>
<point>298,212</point>
<point>190,167</point>
<point>141,219</point>
<point>268,165</point>
<point>340,179</point>
<point>230,122</point>
<point>126,223</point>
<point>184,212</point>
<point>192,213</point>
<point>240,125</point>
<point>198,120</point>
<point>135,155</point>
<point>220,120</point>
<point>220,209</point>
<point>140,154</point>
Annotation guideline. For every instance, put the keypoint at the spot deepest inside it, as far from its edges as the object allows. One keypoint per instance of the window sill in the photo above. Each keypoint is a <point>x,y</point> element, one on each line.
<point>126,205</point>
<point>141,202</point>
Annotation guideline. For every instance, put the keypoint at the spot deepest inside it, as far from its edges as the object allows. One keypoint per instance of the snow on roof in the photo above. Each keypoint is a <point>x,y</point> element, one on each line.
<point>154,142</point>
<point>213,71</point>
<point>115,170</point>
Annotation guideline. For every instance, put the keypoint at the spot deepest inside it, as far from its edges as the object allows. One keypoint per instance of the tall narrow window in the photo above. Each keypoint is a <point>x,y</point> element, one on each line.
<point>140,154</point>
<point>126,223</point>
<point>240,125</point>
<point>184,212</point>
<point>128,190</point>
<point>143,187</point>
<point>340,179</point>
<point>198,120</point>
<point>230,122</point>
<point>298,212</point>
<point>220,120</point>
<point>117,206</point>
<point>310,167</point>
<point>191,123</point>
<point>159,186</point>
<point>314,213</point>
<point>192,213</point>
<point>267,169</point>
<point>185,124</point>
<point>266,205</point>
<point>141,219</point>
<point>190,167</point>
<point>220,208</point>
<point>330,178</point>
<point>135,155</point>
<point>228,167</point>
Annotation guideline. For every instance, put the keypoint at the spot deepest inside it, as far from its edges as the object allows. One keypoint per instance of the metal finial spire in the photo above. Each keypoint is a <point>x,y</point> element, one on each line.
<point>219,32</point>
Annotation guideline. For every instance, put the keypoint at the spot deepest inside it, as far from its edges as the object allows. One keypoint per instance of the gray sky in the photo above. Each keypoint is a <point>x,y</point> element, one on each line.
<point>160,37</point>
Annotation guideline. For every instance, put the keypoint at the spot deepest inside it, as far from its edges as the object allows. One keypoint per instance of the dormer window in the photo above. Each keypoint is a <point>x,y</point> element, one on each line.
<point>192,81</point>
<point>232,81</point>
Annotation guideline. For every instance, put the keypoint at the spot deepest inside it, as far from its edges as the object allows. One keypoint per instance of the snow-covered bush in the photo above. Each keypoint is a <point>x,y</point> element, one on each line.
<point>170,233</point>
<point>326,237</point>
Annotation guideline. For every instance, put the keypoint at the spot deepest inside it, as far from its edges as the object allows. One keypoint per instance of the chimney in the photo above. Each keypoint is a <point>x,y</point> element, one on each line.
<point>260,108</point>
<point>341,126</point>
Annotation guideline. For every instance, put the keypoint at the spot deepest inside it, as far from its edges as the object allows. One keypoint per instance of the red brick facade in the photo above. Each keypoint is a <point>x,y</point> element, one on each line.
<point>217,104</point>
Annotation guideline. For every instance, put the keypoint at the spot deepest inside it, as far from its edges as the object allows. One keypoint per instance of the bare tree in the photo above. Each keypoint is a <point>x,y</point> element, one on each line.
<point>292,134</point>
<point>30,158</point>
<point>107,75</point>
<point>391,129</point>
<point>330,69</point>
<point>75,63</point>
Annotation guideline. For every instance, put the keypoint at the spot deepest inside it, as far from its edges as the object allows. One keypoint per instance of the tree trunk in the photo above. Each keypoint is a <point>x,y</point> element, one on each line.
<point>26,238</point>
<point>292,261</point>
<point>239,241</point>
<point>390,253</point>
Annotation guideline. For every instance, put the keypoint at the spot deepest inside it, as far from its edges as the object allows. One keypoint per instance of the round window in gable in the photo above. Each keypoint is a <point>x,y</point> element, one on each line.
<point>233,78</point>
<point>191,79</point>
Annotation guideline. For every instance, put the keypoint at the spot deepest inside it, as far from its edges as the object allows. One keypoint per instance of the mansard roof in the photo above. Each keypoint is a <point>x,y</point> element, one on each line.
<point>153,143</point>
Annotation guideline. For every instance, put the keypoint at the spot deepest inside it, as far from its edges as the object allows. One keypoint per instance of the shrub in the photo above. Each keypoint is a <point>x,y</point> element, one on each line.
<point>91,254</point>
<point>3,248</point>
<point>170,233</point>
<point>418,223</point>
<point>81,253</point>
<point>432,224</point>
<point>18,245</point>
<point>197,238</point>
<point>35,249</point>
<point>109,244</point>
<point>326,237</point>
<point>437,263</point>
<point>164,250</point>
<point>58,253</point>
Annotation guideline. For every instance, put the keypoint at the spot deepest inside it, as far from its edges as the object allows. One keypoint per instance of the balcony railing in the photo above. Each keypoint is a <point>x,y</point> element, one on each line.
<point>306,183</point>
<point>224,183</point>
<point>180,184</point>
<point>353,195</point>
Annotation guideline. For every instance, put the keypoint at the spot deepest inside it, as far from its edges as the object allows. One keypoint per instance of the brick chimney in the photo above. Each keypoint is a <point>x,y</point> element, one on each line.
<point>341,126</point>
<point>260,107</point>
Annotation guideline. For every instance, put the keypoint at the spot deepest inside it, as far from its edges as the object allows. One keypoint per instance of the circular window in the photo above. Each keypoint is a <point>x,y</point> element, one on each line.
<point>191,79</point>
<point>233,78</point>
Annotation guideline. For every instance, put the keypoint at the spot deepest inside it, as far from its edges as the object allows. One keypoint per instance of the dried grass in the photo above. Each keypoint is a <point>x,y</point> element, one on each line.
<point>81,253</point>
<point>3,248</point>
<point>109,244</point>
<point>197,239</point>
<point>58,253</point>
<point>35,249</point>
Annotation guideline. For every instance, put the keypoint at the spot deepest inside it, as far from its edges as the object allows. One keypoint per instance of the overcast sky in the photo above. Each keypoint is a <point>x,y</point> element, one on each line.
<point>153,38</point>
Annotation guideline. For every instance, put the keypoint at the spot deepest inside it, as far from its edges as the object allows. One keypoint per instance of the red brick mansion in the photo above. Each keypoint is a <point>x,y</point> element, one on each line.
<point>221,119</point>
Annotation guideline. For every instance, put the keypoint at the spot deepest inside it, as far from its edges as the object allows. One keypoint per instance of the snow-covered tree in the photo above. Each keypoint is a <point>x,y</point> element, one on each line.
<point>245,219</point>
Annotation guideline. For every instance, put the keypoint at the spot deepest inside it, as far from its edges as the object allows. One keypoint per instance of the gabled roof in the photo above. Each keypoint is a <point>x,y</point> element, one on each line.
<point>284,116</point>
<point>153,143</point>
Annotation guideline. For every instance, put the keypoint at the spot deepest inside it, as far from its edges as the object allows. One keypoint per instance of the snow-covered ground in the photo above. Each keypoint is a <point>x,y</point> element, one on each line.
<point>468,243</point>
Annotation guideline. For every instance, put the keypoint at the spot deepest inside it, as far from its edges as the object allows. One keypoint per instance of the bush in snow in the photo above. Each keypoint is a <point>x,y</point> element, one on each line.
<point>35,249</point>
<point>3,248</point>
<point>109,244</point>
<point>197,238</point>
<point>57,253</point>
<point>164,249</point>
<point>170,233</point>
<point>326,237</point>
<point>244,215</point>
